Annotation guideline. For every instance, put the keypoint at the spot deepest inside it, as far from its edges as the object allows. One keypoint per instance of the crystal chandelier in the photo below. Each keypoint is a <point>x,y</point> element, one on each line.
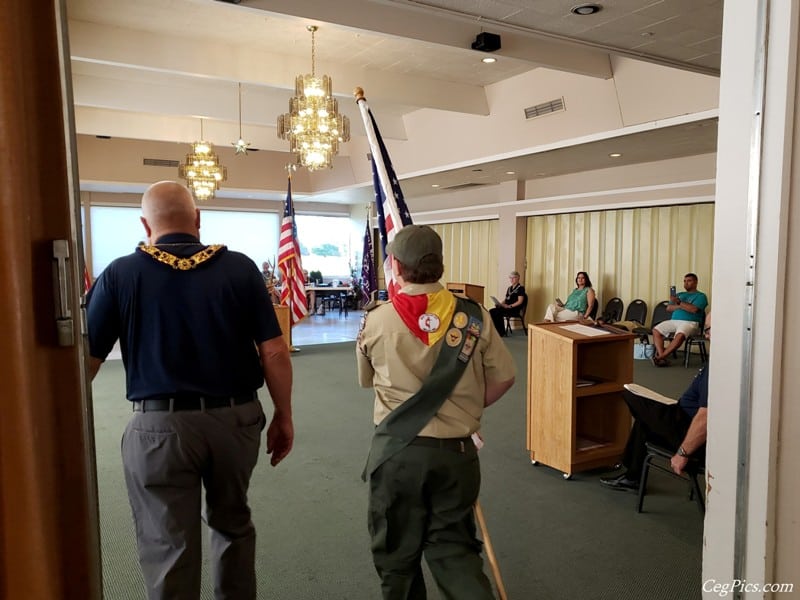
<point>202,170</point>
<point>313,124</point>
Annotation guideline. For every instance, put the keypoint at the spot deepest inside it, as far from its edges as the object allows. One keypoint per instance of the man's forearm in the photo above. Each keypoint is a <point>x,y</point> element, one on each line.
<point>696,435</point>
<point>277,366</point>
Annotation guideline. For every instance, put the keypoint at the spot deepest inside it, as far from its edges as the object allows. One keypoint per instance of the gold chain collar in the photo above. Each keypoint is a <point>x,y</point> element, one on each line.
<point>181,263</point>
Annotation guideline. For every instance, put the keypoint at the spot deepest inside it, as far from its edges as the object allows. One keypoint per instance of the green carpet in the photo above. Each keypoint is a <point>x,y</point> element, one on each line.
<point>554,539</point>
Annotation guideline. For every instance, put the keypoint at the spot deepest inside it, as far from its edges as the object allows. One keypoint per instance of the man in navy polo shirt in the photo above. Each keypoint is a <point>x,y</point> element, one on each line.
<point>198,336</point>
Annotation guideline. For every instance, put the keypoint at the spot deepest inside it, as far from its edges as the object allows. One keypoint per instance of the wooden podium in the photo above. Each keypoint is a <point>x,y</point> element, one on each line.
<point>282,312</point>
<point>475,292</point>
<point>577,418</point>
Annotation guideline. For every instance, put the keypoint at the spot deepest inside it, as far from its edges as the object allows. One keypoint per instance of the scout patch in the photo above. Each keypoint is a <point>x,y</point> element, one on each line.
<point>460,320</point>
<point>453,337</point>
<point>473,333</point>
<point>428,322</point>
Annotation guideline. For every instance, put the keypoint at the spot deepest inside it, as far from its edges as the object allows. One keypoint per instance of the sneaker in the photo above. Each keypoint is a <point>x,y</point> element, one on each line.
<point>621,482</point>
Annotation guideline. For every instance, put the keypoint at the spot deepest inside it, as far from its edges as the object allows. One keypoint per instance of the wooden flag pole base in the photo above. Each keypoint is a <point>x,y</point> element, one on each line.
<point>487,542</point>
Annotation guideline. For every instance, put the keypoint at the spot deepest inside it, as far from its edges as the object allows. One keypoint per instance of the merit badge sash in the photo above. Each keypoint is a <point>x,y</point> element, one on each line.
<point>403,424</point>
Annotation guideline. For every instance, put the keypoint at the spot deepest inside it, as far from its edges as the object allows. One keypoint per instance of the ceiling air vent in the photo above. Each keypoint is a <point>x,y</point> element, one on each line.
<point>462,186</point>
<point>160,162</point>
<point>545,108</point>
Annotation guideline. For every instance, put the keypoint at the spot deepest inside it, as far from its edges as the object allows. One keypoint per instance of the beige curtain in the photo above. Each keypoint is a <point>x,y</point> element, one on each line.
<point>470,253</point>
<point>634,253</point>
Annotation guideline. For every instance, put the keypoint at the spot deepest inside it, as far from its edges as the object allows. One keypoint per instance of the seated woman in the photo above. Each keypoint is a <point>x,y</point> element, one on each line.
<point>511,306</point>
<point>578,305</point>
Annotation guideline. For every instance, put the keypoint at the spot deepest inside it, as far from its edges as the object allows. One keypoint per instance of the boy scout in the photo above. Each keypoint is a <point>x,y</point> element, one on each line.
<point>435,362</point>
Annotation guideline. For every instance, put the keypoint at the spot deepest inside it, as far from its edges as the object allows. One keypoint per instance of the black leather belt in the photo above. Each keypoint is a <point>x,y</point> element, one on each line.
<point>191,402</point>
<point>456,444</point>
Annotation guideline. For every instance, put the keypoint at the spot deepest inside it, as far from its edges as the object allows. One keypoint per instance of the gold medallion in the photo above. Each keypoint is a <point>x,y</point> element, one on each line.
<point>453,337</point>
<point>460,320</point>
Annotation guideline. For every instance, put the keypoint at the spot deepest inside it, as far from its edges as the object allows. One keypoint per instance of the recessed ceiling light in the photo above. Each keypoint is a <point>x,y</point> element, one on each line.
<point>489,60</point>
<point>585,9</point>
<point>541,174</point>
<point>511,172</point>
<point>615,155</point>
<point>434,185</point>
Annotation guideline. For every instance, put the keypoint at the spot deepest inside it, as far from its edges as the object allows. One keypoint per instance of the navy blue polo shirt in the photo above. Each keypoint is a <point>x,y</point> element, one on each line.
<point>183,332</point>
<point>696,395</point>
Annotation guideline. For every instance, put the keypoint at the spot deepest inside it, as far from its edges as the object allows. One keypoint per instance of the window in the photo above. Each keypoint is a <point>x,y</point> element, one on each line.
<point>329,245</point>
<point>117,230</point>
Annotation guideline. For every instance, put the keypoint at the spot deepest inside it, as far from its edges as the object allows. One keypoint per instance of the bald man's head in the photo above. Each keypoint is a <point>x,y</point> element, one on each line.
<point>168,207</point>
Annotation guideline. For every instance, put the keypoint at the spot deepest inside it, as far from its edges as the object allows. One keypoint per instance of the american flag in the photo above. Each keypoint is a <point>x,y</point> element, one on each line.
<point>393,213</point>
<point>293,293</point>
<point>369,279</point>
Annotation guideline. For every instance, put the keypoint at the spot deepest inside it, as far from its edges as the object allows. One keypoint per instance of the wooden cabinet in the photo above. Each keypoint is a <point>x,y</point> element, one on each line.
<point>577,418</point>
<point>470,290</point>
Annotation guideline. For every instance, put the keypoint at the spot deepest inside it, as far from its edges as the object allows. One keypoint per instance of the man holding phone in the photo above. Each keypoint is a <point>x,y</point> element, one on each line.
<point>687,311</point>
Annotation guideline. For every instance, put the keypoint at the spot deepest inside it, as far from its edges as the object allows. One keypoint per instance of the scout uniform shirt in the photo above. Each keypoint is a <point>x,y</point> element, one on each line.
<point>396,360</point>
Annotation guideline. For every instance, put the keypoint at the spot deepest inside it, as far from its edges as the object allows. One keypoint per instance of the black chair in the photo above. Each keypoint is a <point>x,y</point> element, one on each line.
<point>337,301</point>
<point>698,340</point>
<point>637,311</point>
<point>520,317</point>
<point>659,314</point>
<point>613,310</point>
<point>694,469</point>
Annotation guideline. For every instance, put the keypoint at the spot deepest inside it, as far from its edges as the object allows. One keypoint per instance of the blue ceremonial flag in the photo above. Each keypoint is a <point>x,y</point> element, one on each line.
<point>369,278</point>
<point>393,213</point>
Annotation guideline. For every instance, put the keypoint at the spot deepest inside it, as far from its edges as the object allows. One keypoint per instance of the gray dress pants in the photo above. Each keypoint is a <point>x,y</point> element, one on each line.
<point>166,457</point>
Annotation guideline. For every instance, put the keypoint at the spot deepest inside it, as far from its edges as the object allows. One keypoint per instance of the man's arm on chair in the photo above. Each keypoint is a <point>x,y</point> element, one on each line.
<point>695,438</point>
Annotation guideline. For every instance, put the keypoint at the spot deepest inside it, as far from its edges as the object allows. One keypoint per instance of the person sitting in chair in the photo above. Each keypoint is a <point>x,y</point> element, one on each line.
<point>579,303</point>
<point>686,309</point>
<point>679,427</point>
<point>511,306</point>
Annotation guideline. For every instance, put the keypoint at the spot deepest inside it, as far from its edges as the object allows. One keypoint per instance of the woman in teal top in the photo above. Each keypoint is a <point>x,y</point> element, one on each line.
<point>579,303</point>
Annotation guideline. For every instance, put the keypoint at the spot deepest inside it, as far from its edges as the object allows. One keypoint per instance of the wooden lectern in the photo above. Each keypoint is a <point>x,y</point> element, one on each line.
<point>282,312</point>
<point>475,292</point>
<point>577,418</point>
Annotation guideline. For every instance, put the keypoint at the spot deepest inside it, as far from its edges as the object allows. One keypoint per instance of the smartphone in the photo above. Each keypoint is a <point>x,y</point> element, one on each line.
<point>672,292</point>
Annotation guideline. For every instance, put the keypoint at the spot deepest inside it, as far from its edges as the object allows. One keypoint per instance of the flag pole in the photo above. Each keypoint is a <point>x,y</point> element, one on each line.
<point>292,348</point>
<point>487,543</point>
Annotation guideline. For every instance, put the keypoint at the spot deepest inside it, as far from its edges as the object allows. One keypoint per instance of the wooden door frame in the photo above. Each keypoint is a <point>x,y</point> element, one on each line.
<point>48,502</point>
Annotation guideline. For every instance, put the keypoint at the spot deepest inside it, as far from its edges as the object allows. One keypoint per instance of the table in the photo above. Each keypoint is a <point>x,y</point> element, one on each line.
<point>321,292</point>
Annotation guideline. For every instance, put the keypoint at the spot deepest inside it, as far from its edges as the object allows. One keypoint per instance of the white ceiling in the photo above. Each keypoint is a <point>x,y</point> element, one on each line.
<point>147,69</point>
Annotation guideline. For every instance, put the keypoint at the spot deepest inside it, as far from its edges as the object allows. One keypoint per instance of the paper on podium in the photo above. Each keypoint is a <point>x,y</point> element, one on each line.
<point>586,330</point>
<point>640,390</point>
